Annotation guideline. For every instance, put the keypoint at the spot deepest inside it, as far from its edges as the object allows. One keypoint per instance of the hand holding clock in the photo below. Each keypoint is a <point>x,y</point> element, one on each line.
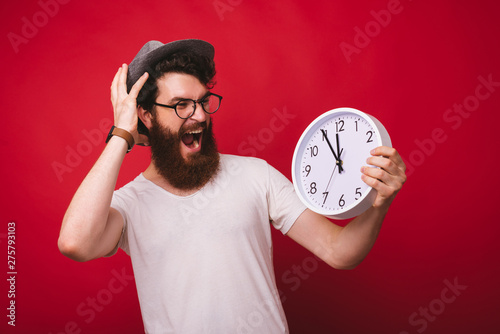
<point>346,247</point>
<point>372,174</point>
<point>347,193</point>
<point>388,179</point>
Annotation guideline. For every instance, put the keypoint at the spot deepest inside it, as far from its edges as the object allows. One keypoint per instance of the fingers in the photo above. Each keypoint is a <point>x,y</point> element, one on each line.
<point>125,104</point>
<point>386,185</point>
<point>122,80</point>
<point>114,87</point>
<point>378,184</point>
<point>119,86</point>
<point>136,88</point>
<point>391,166</point>
<point>388,175</point>
<point>373,176</point>
<point>385,166</point>
<point>390,153</point>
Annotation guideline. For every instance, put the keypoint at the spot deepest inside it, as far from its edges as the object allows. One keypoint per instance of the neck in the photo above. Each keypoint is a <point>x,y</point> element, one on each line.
<point>152,174</point>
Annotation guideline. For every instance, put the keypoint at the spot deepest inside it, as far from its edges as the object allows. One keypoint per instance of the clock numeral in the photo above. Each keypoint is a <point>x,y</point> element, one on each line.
<point>339,125</point>
<point>358,193</point>
<point>325,133</point>
<point>356,125</point>
<point>308,170</point>
<point>313,150</point>
<point>325,194</point>
<point>370,135</point>
<point>341,201</point>
<point>313,188</point>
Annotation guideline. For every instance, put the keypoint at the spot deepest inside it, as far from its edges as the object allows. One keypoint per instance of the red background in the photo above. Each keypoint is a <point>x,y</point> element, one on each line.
<point>286,56</point>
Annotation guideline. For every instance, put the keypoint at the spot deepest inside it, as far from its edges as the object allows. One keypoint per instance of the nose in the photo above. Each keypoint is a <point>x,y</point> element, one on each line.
<point>199,114</point>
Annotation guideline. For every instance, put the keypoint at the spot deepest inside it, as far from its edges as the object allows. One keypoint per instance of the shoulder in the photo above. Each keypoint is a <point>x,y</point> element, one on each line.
<point>254,170</point>
<point>240,158</point>
<point>235,164</point>
<point>229,160</point>
<point>134,187</point>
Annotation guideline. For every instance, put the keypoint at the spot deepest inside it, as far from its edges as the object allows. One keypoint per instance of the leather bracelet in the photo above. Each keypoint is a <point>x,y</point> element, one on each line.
<point>123,134</point>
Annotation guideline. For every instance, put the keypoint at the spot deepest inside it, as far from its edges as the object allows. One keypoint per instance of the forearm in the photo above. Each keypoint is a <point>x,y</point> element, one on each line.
<point>345,247</point>
<point>85,220</point>
<point>357,238</point>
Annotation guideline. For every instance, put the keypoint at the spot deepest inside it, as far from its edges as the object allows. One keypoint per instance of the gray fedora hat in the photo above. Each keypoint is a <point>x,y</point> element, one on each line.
<point>154,51</point>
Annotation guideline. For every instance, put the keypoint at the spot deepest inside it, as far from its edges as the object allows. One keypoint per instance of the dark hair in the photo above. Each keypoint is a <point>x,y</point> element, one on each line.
<point>201,67</point>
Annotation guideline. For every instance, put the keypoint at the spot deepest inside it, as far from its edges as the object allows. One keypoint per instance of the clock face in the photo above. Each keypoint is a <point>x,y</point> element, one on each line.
<point>328,159</point>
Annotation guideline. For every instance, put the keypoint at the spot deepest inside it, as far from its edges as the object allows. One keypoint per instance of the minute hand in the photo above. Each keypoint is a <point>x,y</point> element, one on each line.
<point>339,163</point>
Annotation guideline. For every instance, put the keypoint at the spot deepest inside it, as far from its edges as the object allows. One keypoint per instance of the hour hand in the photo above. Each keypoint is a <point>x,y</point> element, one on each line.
<point>338,162</point>
<point>339,151</point>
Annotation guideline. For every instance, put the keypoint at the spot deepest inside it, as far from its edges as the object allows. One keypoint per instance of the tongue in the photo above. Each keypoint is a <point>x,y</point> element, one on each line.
<point>187,139</point>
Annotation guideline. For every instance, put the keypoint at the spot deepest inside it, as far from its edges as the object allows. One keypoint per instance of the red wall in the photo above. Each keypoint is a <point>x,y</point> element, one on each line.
<point>428,70</point>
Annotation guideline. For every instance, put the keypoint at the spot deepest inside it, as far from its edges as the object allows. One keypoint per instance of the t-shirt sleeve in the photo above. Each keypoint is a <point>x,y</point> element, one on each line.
<point>284,205</point>
<point>119,202</point>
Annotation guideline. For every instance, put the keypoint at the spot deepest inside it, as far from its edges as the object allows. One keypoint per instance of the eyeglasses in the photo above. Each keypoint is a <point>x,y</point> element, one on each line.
<point>185,108</point>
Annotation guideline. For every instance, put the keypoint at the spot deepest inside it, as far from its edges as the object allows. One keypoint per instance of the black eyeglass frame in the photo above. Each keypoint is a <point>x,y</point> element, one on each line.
<point>194,104</point>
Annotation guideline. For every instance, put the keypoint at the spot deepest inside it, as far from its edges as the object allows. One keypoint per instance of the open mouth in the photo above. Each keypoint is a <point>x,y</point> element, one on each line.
<point>192,138</point>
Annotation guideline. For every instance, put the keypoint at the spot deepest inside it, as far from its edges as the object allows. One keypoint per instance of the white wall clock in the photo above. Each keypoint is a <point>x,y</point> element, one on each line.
<point>326,165</point>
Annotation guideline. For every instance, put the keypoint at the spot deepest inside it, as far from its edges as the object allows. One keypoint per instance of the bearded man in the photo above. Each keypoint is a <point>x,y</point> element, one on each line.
<point>196,223</point>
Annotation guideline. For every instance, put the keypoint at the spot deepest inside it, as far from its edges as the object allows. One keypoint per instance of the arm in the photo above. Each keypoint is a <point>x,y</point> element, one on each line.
<point>90,228</point>
<point>345,247</point>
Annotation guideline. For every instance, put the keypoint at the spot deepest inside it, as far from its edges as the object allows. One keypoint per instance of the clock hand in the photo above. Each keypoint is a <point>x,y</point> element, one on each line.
<point>339,151</point>
<point>326,192</point>
<point>338,162</point>
<point>331,177</point>
<point>338,145</point>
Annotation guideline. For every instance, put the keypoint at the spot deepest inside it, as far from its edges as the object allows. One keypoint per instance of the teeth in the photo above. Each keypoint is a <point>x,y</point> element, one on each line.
<point>195,144</point>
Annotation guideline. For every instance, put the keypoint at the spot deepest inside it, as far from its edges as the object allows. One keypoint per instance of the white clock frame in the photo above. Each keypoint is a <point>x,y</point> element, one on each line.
<point>367,198</point>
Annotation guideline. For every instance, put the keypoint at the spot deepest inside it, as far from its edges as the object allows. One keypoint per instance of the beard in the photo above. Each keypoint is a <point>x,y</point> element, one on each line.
<point>185,174</point>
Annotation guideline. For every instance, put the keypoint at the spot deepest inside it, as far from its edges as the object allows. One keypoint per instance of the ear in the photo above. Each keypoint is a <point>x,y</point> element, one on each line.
<point>145,116</point>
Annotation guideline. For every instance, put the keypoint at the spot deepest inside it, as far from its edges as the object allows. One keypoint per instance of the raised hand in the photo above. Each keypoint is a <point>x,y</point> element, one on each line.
<point>125,104</point>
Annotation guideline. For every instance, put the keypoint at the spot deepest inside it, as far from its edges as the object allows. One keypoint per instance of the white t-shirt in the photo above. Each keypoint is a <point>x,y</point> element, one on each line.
<point>204,263</point>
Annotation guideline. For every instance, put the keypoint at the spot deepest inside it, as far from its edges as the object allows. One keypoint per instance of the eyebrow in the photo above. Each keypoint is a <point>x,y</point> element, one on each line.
<point>176,99</point>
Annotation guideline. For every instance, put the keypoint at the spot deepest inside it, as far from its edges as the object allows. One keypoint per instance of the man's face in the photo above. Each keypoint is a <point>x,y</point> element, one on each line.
<point>173,87</point>
<point>183,150</point>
